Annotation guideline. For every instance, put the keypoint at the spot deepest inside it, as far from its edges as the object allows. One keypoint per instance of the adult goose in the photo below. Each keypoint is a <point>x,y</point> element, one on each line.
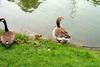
<point>8,37</point>
<point>59,33</point>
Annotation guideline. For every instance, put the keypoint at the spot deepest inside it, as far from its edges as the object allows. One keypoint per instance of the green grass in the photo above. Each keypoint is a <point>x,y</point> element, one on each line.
<point>46,53</point>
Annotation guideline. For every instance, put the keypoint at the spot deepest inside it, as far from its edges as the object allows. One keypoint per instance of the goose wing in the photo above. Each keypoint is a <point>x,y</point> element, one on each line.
<point>64,33</point>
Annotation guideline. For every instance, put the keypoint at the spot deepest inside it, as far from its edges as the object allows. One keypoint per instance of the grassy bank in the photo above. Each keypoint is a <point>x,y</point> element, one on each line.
<point>46,53</point>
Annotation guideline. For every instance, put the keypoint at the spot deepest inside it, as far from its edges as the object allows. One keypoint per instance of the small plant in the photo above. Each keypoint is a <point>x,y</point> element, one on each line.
<point>21,38</point>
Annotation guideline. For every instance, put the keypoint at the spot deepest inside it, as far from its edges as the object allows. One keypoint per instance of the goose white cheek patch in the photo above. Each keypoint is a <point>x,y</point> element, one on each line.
<point>1,20</point>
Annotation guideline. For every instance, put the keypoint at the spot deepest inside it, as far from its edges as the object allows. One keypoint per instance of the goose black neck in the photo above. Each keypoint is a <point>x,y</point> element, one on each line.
<point>58,23</point>
<point>5,24</point>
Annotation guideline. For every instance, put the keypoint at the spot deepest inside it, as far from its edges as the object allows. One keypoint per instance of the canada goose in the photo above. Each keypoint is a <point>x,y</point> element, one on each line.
<point>8,37</point>
<point>59,33</point>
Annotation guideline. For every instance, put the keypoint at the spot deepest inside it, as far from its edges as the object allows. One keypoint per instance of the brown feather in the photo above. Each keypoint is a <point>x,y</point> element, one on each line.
<point>7,37</point>
<point>60,32</point>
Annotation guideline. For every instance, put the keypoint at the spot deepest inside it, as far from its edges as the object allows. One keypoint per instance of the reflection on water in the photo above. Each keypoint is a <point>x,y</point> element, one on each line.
<point>95,2</point>
<point>73,8</point>
<point>27,5</point>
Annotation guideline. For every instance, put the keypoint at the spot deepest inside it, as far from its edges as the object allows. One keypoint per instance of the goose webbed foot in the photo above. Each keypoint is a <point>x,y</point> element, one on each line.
<point>58,40</point>
<point>63,42</point>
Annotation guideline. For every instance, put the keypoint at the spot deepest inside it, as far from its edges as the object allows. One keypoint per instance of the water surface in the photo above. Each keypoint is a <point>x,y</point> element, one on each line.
<point>81,18</point>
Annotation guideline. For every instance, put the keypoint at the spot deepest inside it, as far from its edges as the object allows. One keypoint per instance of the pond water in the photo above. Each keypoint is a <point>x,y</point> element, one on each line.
<point>81,18</point>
